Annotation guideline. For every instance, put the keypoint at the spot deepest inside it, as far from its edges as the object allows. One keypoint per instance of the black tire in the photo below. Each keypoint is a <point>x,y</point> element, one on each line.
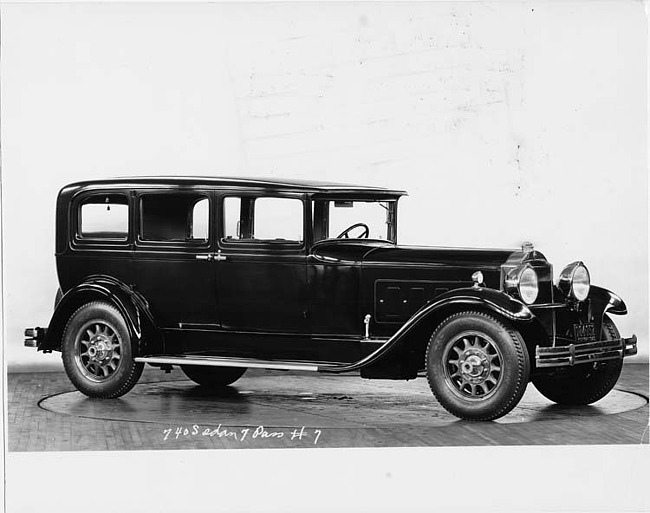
<point>477,366</point>
<point>213,377</point>
<point>583,384</point>
<point>97,351</point>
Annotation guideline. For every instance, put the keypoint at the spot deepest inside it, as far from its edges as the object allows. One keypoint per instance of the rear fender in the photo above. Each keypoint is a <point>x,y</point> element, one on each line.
<point>131,305</point>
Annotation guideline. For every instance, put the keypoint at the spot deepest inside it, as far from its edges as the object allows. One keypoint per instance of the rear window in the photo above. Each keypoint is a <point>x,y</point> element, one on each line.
<point>104,216</point>
<point>174,217</point>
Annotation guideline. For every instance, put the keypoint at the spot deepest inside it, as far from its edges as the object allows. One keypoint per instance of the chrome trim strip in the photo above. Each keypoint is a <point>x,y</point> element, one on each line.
<point>547,305</point>
<point>218,361</point>
<point>426,265</point>
<point>197,327</point>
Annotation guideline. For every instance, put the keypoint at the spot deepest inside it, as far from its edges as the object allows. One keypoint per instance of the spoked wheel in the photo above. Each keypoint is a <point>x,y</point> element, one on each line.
<point>213,377</point>
<point>98,350</point>
<point>473,364</point>
<point>97,353</point>
<point>477,366</point>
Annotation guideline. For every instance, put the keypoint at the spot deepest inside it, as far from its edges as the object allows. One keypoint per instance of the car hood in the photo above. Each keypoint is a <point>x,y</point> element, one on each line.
<point>382,252</point>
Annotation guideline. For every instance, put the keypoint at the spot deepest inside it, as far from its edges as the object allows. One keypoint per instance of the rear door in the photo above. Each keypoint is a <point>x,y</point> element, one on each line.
<point>172,267</point>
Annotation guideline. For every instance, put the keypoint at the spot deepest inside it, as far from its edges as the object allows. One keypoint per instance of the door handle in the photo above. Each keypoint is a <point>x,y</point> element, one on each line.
<point>211,257</point>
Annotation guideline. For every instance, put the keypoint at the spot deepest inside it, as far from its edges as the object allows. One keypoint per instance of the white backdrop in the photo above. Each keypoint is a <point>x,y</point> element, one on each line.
<point>506,121</point>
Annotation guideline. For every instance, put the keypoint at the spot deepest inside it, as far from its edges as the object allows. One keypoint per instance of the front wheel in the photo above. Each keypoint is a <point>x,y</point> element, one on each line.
<point>213,377</point>
<point>477,366</point>
<point>584,383</point>
<point>97,353</point>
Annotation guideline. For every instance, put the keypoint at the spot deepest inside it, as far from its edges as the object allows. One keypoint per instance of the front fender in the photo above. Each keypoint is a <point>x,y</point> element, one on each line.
<point>495,300</point>
<point>131,305</point>
<point>609,302</point>
<point>466,298</point>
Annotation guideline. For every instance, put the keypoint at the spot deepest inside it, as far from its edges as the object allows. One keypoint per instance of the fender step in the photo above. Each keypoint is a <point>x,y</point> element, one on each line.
<point>225,361</point>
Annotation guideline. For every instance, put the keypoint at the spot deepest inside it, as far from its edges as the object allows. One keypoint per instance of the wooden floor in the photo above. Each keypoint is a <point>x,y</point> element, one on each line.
<point>275,409</point>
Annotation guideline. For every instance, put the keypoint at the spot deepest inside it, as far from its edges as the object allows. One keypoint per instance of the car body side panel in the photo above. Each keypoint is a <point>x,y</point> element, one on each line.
<point>393,294</point>
<point>438,256</point>
<point>265,345</point>
<point>334,298</point>
<point>74,267</point>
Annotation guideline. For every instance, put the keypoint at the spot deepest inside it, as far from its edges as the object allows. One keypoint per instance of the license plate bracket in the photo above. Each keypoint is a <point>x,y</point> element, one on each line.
<point>584,332</point>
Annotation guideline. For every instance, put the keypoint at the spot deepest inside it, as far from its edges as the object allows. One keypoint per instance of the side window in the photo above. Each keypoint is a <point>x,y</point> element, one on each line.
<point>174,217</point>
<point>265,219</point>
<point>231,218</point>
<point>200,220</point>
<point>104,216</point>
<point>278,219</point>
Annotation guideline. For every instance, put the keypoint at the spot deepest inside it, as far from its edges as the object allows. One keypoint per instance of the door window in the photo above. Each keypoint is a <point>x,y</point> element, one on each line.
<point>176,217</point>
<point>265,219</point>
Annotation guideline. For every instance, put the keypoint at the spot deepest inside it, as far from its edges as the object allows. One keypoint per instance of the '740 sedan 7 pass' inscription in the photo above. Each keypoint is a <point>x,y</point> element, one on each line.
<point>240,434</point>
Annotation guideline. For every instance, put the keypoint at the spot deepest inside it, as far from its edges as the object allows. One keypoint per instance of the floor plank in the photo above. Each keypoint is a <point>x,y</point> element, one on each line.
<point>268,409</point>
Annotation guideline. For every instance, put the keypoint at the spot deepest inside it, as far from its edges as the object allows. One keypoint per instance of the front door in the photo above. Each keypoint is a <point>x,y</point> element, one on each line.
<point>261,264</point>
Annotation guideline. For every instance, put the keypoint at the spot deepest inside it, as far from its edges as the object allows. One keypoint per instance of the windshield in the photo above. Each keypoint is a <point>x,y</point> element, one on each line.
<point>363,219</point>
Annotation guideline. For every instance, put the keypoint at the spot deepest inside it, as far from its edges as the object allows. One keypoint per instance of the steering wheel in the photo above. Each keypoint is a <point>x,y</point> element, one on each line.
<point>364,233</point>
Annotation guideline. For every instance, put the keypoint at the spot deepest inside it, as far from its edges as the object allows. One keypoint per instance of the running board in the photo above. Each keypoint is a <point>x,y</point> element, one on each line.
<point>225,361</point>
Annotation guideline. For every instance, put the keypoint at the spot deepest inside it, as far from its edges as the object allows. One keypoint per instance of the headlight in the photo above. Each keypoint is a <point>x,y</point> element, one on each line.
<point>528,288</point>
<point>574,281</point>
<point>523,282</point>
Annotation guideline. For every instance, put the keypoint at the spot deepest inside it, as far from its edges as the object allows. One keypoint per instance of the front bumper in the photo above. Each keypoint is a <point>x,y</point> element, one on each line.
<point>575,354</point>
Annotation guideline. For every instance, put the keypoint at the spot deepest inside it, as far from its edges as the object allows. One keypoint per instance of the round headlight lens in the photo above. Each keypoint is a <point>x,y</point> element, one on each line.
<point>580,283</point>
<point>528,287</point>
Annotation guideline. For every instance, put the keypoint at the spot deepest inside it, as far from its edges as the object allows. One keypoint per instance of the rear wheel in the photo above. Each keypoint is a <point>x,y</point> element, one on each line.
<point>209,376</point>
<point>477,366</point>
<point>585,383</point>
<point>97,353</point>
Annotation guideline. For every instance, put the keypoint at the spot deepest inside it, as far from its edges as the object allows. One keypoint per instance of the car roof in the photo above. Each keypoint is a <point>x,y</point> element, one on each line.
<point>271,184</point>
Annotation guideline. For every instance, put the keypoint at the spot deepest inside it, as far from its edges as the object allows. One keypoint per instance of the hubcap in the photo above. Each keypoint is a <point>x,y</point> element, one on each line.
<point>98,349</point>
<point>472,363</point>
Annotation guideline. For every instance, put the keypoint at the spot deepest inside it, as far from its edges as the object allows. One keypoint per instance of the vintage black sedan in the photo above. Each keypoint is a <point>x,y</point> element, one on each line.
<point>217,275</point>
